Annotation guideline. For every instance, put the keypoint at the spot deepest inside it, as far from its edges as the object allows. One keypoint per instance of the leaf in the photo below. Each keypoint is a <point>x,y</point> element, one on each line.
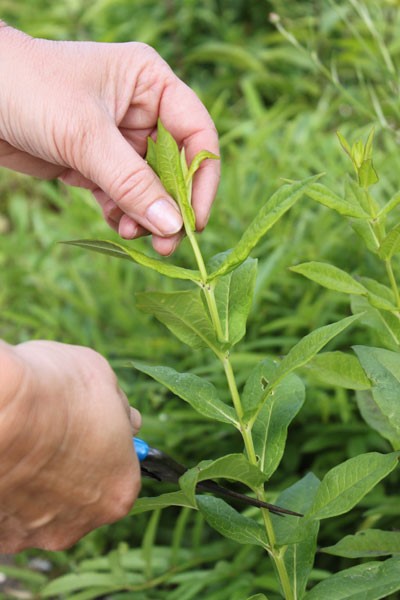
<point>270,428</point>
<point>364,230</point>
<point>299,534</point>
<point>151,155</point>
<point>308,347</point>
<point>78,581</point>
<point>366,543</point>
<point>198,159</point>
<point>357,196</point>
<point>330,277</point>
<point>386,326</point>
<point>367,175</point>
<point>230,523</point>
<point>391,244</point>
<point>368,144</point>
<point>381,408</point>
<point>298,497</point>
<point>120,251</point>
<point>369,581</point>
<point>258,597</point>
<point>163,501</point>
<point>279,203</point>
<point>235,467</point>
<point>389,206</point>
<point>169,170</point>
<point>234,294</point>
<point>344,143</point>
<point>198,392</point>
<point>338,369</point>
<point>183,313</point>
<point>323,195</point>
<point>345,485</point>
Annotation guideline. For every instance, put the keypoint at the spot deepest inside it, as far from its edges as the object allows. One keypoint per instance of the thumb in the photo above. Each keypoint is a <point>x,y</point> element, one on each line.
<point>127,179</point>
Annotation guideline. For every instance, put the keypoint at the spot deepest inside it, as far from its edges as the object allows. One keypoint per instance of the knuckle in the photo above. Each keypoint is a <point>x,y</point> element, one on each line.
<point>119,506</point>
<point>133,187</point>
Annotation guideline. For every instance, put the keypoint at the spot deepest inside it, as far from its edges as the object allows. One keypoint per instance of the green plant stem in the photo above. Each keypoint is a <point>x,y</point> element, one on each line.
<point>393,283</point>
<point>207,288</point>
<point>245,429</point>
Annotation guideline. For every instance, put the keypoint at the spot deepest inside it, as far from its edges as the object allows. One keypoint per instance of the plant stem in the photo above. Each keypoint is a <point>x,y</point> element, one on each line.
<point>245,429</point>
<point>207,288</point>
<point>393,283</point>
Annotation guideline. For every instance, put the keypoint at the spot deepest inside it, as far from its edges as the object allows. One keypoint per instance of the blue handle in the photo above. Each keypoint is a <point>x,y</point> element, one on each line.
<point>142,449</point>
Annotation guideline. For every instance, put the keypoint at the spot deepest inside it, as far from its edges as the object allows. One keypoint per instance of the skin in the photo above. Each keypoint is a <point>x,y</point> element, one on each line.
<point>82,112</point>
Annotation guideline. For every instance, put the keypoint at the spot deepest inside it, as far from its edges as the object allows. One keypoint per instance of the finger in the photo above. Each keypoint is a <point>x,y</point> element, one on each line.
<point>166,246</point>
<point>127,179</point>
<point>136,420</point>
<point>129,229</point>
<point>186,118</point>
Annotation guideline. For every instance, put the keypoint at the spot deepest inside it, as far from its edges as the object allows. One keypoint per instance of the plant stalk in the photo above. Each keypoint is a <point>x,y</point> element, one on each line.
<point>206,287</point>
<point>245,429</point>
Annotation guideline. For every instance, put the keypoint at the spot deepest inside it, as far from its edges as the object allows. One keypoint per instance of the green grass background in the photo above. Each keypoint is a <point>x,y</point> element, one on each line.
<point>278,92</point>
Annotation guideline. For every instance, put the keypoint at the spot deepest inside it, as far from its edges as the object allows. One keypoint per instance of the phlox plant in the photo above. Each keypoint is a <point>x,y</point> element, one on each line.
<point>211,313</point>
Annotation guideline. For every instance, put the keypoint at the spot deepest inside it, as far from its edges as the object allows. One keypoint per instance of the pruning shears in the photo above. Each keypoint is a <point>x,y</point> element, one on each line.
<point>158,465</point>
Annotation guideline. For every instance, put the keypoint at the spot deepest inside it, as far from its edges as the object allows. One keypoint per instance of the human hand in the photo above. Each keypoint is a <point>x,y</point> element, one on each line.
<point>67,460</point>
<point>82,111</point>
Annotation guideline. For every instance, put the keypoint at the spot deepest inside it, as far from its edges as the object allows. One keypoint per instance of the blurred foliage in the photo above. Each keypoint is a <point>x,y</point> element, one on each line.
<point>278,88</point>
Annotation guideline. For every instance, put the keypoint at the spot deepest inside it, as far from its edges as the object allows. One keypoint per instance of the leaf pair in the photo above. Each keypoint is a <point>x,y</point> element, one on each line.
<point>361,156</point>
<point>170,165</point>
<point>186,316</point>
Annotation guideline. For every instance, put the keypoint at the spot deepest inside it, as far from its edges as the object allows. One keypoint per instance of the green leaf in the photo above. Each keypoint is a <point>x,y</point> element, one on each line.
<point>183,313</point>
<point>234,294</point>
<point>366,543</point>
<point>234,467</point>
<point>386,326</point>
<point>196,162</point>
<point>272,422</point>
<point>379,295</point>
<point>368,144</point>
<point>389,206</point>
<point>345,485</point>
<point>338,369</point>
<point>26,575</point>
<point>120,251</point>
<point>298,534</point>
<point>357,196</point>
<point>279,203</point>
<point>323,195</point>
<point>391,244</point>
<point>230,523</point>
<point>163,501</point>
<point>371,580</point>
<point>344,143</point>
<point>367,175</point>
<point>298,497</point>
<point>308,347</point>
<point>169,170</point>
<point>151,155</point>
<point>79,581</point>
<point>198,392</point>
<point>381,408</point>
<point>357,153</point>
<point>330,277</point>
<point>258,597</point>
<point>364,230</point>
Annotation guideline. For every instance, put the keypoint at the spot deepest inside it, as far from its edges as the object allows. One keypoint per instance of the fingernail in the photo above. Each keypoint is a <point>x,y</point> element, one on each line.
<point>164,217</point>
